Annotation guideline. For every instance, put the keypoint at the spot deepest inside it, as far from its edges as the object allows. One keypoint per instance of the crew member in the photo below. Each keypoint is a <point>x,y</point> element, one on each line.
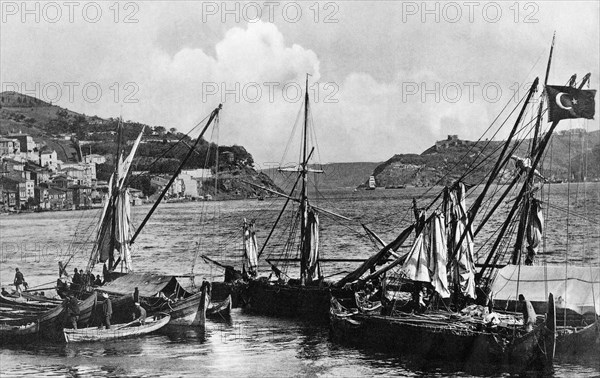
<point>106,311</point>
<point>98,281</point>
<point>19,281</point>
<point>76,281</point>
<point>529,315</point>
<point>72,310</point>
<point>139,314</point>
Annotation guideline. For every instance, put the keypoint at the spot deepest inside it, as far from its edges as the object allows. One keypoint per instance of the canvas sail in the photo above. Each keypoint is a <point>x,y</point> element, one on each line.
<point>311,244</point>
<point>438,255</point>
<point>123,228</point>
<point>416,266</point>
<point>250,248</point>
<point>535,230</point>
<point>463,265</point>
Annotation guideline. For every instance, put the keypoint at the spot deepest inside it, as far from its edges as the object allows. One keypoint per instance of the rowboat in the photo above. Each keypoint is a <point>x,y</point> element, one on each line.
<point>218,309</point>
<point>577,340</point>
<point>118,331</point>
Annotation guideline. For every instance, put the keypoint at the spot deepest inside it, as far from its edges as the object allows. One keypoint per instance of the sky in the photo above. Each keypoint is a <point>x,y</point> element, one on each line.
<point>386,77</point>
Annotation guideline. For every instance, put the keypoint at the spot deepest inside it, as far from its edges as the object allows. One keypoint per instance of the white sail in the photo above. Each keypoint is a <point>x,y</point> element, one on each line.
<point>463,266</point>
<point>438,255</point>
<point>250,248</point>
<point>123,227</point>
<point>125,164</point>
<point>312,239</point>
<point>415,268</point>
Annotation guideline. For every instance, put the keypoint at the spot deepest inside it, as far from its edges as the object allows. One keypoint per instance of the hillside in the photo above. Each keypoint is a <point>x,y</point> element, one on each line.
<point>72,135</point>
<point>448,159</point>
<point>335,176</point>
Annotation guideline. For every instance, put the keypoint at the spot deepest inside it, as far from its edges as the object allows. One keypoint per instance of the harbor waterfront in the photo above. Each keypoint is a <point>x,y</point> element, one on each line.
<point>249,345</point>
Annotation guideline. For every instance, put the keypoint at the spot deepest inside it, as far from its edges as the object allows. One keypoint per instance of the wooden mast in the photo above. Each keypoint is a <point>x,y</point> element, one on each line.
<point>214,114</point>
<point>524,220</point>
<point>304,199</point>
<point>113,199</point>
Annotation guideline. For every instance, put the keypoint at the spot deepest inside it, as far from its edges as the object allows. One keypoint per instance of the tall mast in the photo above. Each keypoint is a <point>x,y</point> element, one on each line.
<point>304,199</point>
<point>518,247</point>
<point>113,199</point>
<point>214,114</point>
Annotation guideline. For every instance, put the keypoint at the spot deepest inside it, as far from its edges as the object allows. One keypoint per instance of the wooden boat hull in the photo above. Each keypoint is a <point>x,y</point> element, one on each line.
<point>190,311</point>
<point>578,340</point>
<point>221,290</point>
<point>15,334</point>
<point>115,332</point>
<point>294,301</point>
<point>438,339</point>
<point>218,309</point>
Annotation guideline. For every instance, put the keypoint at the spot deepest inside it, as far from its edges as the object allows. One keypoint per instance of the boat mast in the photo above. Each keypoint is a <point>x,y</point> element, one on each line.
<point>524,220</point>
<point>113,199</point>
<point>303,198</point>
<point>214,114</point>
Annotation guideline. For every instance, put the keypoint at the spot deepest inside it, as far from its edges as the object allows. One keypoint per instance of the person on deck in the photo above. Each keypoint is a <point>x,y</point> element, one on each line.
<point>84,278</point>
<point>106,311</point>
<point>4,292</point>
<point>98,281</point>
<point>529,315</point>
<point>139,314</point>
<point>19,281</point>
<point>73,311</point>
<point>136,295</point>
<point>76,280</point>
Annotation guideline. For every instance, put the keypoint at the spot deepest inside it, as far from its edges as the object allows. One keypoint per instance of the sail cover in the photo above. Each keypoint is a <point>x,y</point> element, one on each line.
<point>438,255</point>
<point>576,288</point>
<point>463,266</point>
<point>103,240</point>
<point>250,248</point>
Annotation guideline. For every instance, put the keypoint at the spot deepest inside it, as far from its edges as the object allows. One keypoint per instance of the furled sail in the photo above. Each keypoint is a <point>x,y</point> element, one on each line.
<point>104,243</point>
<point>250,248</point>
<point>124,165</point>
<point>123,228</point>
<point>535,230</point>
<point>463,265</point>
<point>311,245</point>
<point>416,266</point>
<point>438,255</point>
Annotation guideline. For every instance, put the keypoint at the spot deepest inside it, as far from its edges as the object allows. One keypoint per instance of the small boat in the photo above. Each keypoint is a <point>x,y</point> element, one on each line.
<point>15,333</point>
<point>577,340</point>
<point>24,302</point>
<point>118,331</point>
<point>218,309</point>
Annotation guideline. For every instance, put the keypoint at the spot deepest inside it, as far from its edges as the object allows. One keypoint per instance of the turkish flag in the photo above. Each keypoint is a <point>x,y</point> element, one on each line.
<point>569,102</point>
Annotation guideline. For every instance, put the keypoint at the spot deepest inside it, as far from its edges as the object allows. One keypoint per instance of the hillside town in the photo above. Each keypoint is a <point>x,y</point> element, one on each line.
<point>48,175</point>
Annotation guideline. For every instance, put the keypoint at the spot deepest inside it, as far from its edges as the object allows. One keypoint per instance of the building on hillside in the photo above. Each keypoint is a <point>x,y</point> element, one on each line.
<point>42,197</point>
<point>10,147</point>
<point>82,173</point>
<point>57,198</point>
<point>20,186</point>
<point>189,185</point>
<point>8,198</point>
<point>94,159</point>
<point>29,149</point>
<point>82,196</point>
<point>48,158</point>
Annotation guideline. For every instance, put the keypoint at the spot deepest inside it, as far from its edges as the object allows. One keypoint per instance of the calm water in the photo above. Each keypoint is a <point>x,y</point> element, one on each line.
<point>249,345</point>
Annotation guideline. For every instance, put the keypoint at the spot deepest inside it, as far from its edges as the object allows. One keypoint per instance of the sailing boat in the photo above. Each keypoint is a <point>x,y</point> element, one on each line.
<point>114,242</point>
<point>371,183</point>
<point>308,296</point>
<point>442,248</point>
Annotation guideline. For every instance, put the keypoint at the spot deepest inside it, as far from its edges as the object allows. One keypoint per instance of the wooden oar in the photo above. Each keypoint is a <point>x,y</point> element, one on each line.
<point>128,324</point>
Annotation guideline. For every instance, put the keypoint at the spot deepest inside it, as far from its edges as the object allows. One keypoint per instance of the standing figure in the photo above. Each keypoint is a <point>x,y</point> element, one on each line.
<point>72,310</point>
<point>529,315</point>
<point>106,311</point>
<point>19,281</point>
<point>76,281</point>
<point>139,314</point>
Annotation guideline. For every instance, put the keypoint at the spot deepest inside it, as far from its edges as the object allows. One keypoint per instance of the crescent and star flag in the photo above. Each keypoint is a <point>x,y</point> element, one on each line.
<point>569,102</point>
